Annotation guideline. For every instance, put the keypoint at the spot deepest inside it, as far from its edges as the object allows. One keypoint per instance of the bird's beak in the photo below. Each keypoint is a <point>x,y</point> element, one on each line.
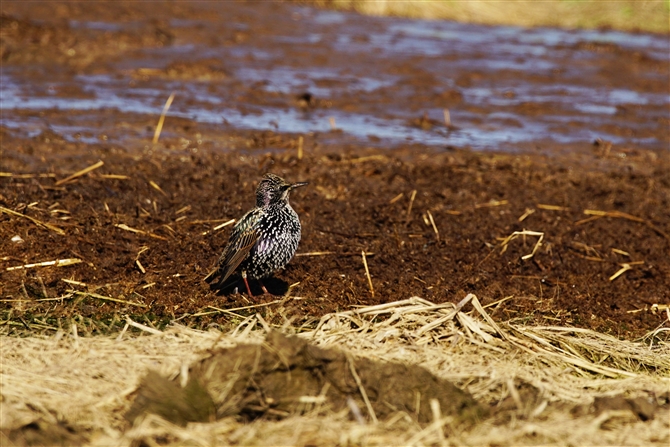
<point>297,185</point>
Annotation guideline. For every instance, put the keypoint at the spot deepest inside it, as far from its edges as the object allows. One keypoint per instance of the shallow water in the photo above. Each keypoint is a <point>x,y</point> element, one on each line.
<point>513,86</point>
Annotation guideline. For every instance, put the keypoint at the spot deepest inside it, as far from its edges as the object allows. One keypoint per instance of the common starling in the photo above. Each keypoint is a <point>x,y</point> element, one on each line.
<point>265,238</point>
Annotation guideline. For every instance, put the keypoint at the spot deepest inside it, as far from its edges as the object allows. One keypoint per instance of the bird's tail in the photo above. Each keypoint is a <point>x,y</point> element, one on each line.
<point>213,276</point>
<point>218,276</point>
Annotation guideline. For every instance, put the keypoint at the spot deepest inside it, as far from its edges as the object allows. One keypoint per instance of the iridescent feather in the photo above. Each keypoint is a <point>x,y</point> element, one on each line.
<point>265,238</point>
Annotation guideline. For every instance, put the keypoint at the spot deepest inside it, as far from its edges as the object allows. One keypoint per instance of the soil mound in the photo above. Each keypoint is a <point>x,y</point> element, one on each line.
<point>287,376</point>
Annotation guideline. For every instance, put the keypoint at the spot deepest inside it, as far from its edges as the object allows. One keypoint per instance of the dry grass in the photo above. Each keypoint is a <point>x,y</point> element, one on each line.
<point>86,383</point>
<point>627,15</point>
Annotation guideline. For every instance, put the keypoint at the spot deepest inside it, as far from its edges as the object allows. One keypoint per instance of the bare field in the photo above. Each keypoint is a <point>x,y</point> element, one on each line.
<point>487,217</point>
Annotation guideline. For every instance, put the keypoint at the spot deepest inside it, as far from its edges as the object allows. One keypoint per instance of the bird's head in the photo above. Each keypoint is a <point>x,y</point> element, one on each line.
<point>274,190</point>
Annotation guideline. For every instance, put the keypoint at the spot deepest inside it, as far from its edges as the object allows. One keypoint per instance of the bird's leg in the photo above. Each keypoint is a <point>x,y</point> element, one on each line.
<point>246,283</point>
<point>265,291</point>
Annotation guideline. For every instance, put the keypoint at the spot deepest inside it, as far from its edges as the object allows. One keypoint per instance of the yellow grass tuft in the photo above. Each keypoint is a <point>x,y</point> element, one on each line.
<point>625,15</point>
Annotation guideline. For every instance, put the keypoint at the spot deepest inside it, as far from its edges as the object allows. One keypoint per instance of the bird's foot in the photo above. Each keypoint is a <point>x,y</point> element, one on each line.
<point>265,290</point>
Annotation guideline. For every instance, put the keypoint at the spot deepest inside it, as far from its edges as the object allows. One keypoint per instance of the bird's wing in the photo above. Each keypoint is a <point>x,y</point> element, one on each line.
<point>243,238</point>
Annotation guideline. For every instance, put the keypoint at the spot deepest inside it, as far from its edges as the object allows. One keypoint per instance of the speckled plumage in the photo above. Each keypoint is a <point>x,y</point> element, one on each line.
<point>265,238</point>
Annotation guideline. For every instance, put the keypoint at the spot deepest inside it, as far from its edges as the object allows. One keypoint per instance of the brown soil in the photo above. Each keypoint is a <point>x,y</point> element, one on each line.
<point>362,196</point>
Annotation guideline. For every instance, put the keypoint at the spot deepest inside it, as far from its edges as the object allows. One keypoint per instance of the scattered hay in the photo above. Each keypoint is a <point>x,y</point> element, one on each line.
<point>543,385</point>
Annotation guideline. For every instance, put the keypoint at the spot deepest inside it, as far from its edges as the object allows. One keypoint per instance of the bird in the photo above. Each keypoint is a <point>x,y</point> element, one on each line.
<point>265,239</point>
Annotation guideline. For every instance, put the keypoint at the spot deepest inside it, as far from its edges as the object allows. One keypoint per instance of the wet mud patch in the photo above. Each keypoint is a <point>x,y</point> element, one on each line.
<point>244,64</point>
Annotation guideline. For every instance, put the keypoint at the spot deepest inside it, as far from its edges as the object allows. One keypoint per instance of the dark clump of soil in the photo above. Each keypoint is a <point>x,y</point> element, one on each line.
<point>644,408</point>
<point>276,379</point>
<point>45,433</point>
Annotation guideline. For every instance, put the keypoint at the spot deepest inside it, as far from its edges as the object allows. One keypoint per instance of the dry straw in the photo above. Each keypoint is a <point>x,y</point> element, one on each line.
<point>81,173</point>
<point>161,120</point>
<point>87,382</point>
<point>32,219</point>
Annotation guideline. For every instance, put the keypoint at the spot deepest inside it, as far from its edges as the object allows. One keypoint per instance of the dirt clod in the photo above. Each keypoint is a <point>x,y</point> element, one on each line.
<point>642,407</point>
<point>286,376</point>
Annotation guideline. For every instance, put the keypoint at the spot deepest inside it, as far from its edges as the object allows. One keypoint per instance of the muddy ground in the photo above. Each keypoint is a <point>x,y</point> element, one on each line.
<point>432,218</point>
